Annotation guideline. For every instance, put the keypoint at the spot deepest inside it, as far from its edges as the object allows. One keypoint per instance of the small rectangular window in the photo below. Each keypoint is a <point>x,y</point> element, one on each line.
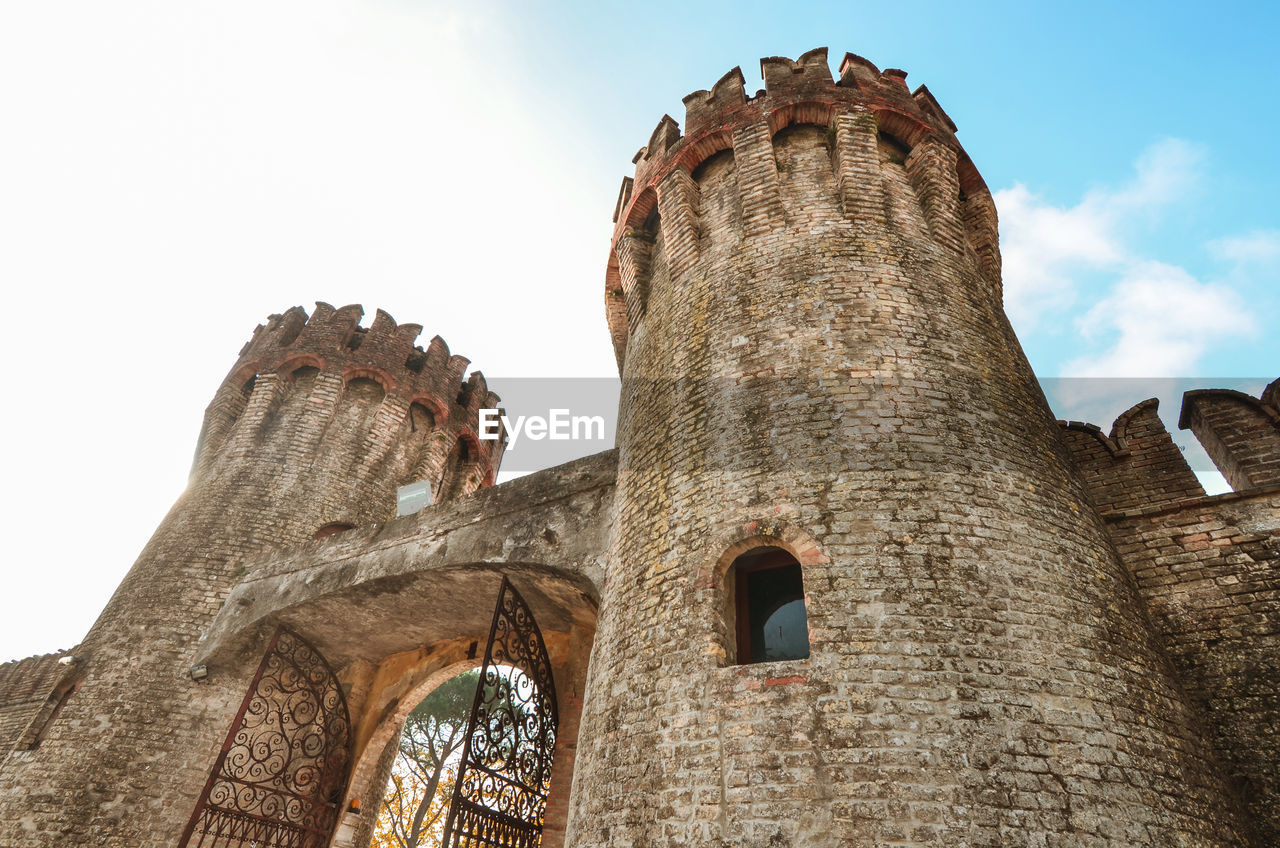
<point>772,622</point>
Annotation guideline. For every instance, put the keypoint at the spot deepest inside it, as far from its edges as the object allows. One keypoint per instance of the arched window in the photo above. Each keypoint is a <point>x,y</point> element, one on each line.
<point>768,606</point>
<point>461,470</point>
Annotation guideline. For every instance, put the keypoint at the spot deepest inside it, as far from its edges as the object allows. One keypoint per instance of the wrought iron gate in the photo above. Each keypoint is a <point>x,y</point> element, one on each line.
<point>500,794</point>
<point>278,781</point>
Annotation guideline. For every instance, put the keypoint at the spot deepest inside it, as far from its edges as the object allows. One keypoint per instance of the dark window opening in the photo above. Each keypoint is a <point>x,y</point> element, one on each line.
<point>651,222</point>
<point>770,615</point>
<point>333,530</point>
<point>420,418</point>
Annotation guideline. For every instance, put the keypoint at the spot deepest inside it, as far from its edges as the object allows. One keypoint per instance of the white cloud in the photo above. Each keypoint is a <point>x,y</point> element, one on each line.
<point>1163,320</point>
<point>1045,247</point>
<point>1041,245</point>
<point>1156,319</point>
<point>1258,247</point>
<point>1166,171</point>
<point>1147,333</point>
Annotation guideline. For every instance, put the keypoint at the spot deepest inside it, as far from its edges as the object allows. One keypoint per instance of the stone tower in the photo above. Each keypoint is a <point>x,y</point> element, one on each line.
<point>804,294</point>
<point>311,432</point>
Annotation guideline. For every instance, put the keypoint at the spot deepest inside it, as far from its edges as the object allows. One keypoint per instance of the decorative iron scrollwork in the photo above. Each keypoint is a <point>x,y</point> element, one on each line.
<point>500,795</point>
<point>277,781</point>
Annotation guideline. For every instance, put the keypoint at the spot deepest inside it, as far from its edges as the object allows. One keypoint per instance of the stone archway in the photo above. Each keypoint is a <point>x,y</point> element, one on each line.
<point>398,608</point>
<point>371,772</point>
<point>383,690</point>
<point>394,639</point>
<point>383,694</point>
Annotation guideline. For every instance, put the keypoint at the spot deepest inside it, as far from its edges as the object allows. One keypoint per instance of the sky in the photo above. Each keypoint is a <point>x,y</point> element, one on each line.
<point>171,173</point>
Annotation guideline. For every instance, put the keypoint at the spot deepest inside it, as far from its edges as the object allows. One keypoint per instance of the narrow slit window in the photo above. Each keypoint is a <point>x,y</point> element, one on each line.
<point>333,530</point>
<point>771,620</point>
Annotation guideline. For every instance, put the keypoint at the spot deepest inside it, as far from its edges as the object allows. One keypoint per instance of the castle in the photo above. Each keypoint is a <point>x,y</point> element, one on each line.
<point>843,581</point>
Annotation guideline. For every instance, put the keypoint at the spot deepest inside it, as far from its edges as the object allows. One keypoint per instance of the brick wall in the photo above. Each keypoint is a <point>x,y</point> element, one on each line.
<point>1208,568</point>
<point>1138,465</point>
<point>1209,571</point>
<point>1240,433</point>
<point>26,689</point>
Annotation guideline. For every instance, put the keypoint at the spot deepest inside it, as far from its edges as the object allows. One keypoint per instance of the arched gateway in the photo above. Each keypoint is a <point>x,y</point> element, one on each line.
<point>279,779</point>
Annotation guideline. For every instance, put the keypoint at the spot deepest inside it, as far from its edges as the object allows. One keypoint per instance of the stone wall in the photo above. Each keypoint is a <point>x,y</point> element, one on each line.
<point>1209,571</point>
<point>30,693</point>
<point>1208,568</point>
<point>1240,433</point>
<point>1138,465</point>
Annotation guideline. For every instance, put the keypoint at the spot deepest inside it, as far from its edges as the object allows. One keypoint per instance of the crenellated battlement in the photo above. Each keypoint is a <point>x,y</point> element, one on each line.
<point>711,116</point>
<point>858,109</point>
<point>701,106</point>
<point>1241,433</point>
<point>335,334</point>
<point>424,409</point>
<point>332,337</point>
<point>786,82</point>
<point>1139,467</point>
<point>782,76</point>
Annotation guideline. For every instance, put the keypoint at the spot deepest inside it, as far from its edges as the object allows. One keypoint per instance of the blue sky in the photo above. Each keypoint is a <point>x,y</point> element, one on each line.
<point>172,173</point>
<point>1127,143</point>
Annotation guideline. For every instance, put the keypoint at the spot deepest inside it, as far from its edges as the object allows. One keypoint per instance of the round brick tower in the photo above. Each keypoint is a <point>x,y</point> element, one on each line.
<point>804,294</point>
<point>312,431</point>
